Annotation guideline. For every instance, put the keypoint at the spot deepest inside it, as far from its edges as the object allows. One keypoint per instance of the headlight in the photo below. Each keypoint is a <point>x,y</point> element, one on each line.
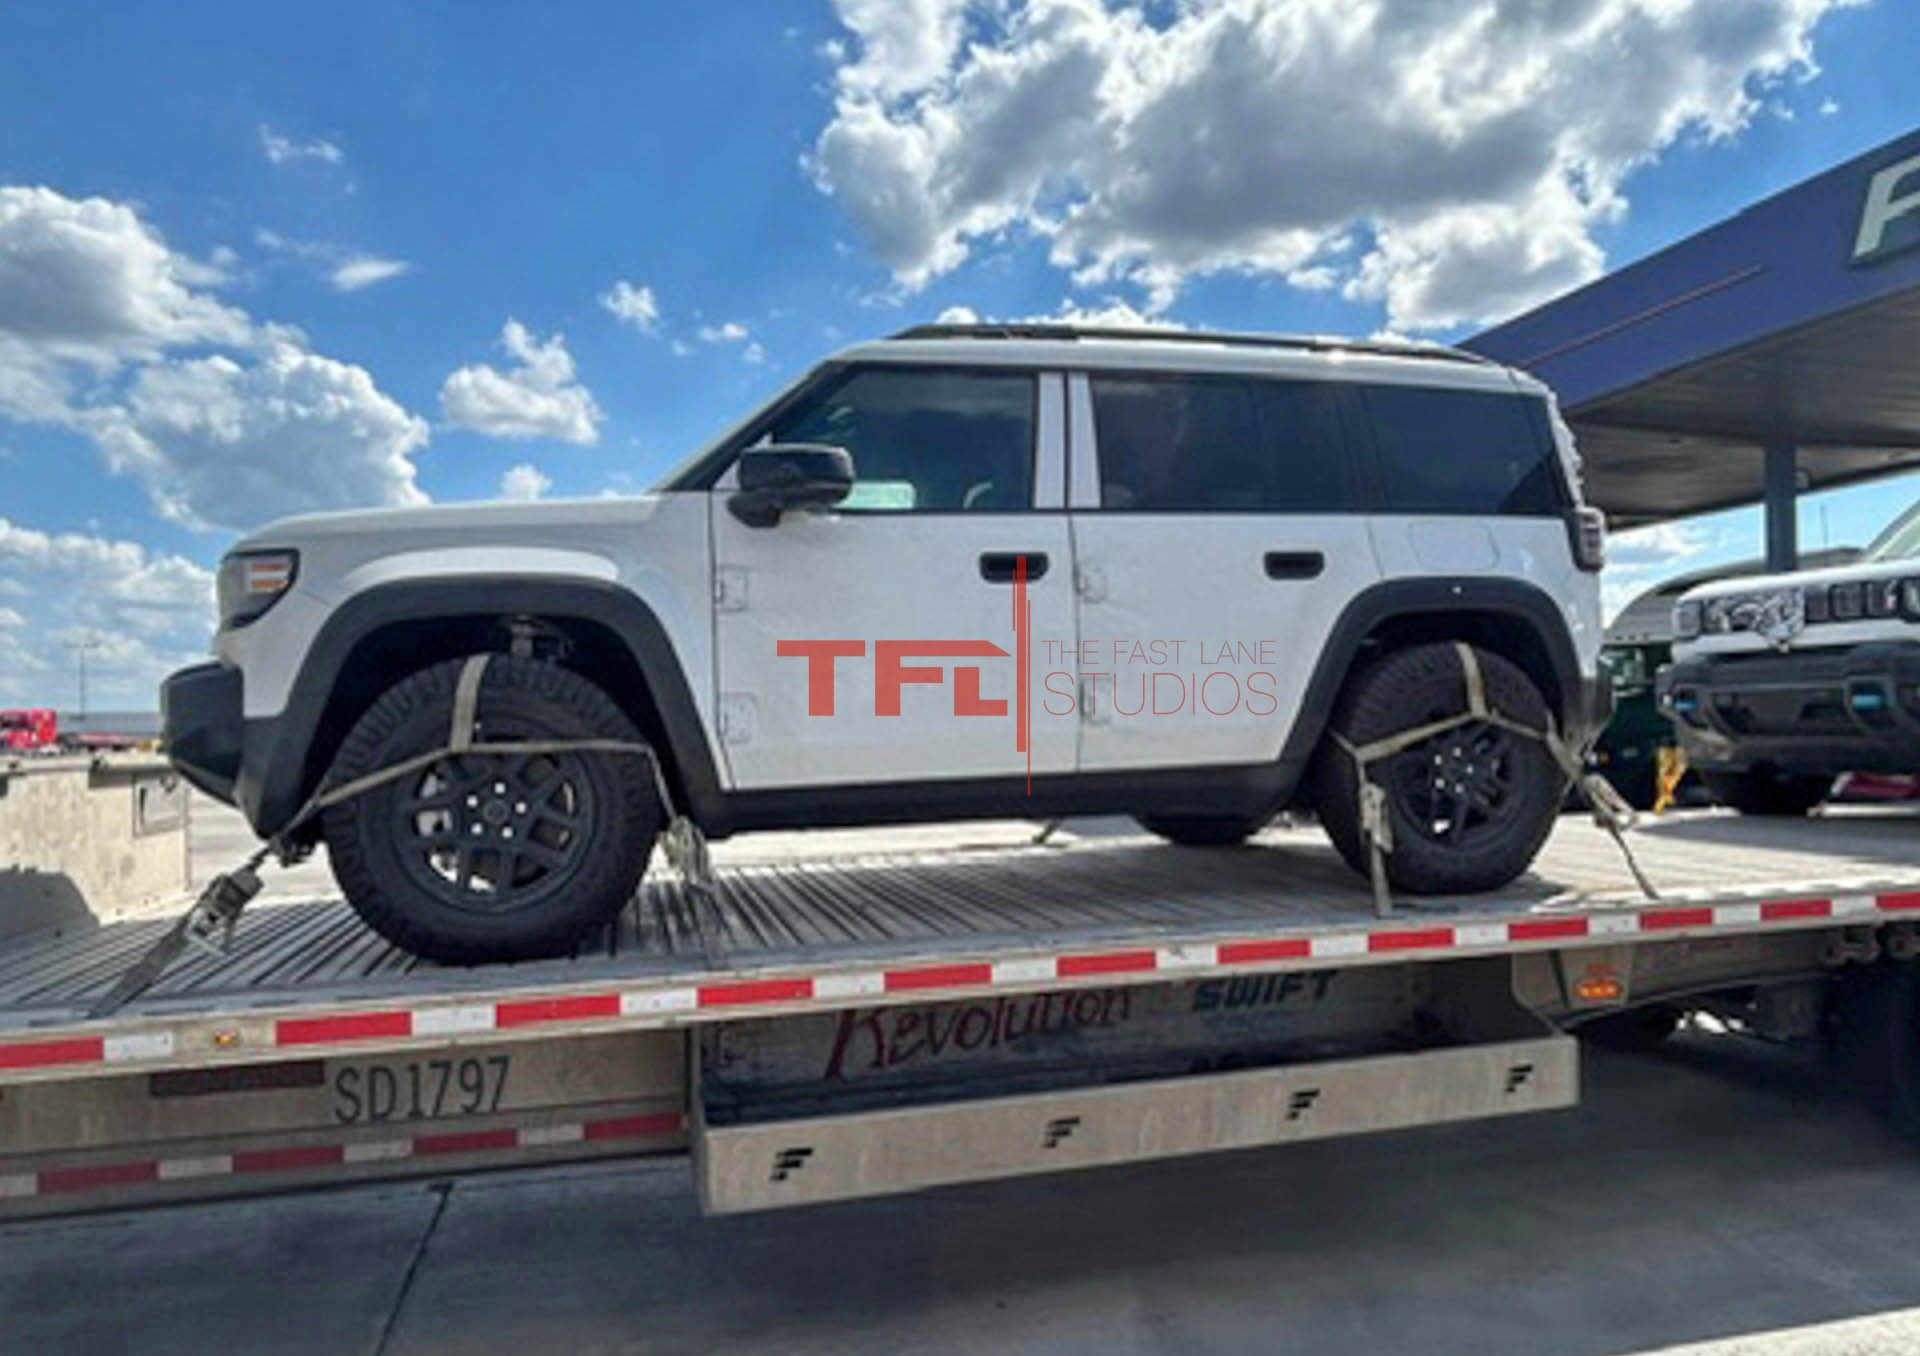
<point>250,582</point>
<point>1686,620</point>
<point>1845,602</point>
<point>1910,599</point>
<point>1883,597</point>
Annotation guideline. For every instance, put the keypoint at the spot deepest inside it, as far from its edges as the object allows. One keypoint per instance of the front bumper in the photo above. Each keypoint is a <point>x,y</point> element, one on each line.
<point>254,764</point>
<point>1813,711</point>
<point>202,728</point>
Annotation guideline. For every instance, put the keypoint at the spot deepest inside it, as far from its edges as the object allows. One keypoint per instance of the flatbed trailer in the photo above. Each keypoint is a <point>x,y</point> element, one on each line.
<point>829,1026</point>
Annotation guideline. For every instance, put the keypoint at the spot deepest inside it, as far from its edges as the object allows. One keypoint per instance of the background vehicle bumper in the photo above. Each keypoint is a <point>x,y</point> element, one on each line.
<point>1853,710</point>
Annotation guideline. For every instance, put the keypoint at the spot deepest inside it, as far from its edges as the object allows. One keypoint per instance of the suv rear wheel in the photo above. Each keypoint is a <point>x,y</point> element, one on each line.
<point>1764,792</point>
<point>1469,807</point>
<point>1203,830</point>
<point>486,857</point>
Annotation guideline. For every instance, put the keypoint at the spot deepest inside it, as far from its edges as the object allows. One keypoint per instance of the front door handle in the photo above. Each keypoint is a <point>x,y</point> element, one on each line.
<point>999,567</point>
<point>1295,564</point>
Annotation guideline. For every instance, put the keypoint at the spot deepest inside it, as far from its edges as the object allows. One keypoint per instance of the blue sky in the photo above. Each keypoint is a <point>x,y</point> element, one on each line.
<point>255,260</point>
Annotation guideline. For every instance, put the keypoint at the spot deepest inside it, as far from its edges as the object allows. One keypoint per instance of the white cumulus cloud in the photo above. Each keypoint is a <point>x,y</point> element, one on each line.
<point>635,305</point>
<point>225,421</point>
<point>223,443</point>
<point>84,280</point>
<point>140,613</point>
<point>727,332</point>
<point>525,481</point>
<point>1452,162</point>
<point>364,270</point>
<point>1111,313</point>
<point>539,397</point>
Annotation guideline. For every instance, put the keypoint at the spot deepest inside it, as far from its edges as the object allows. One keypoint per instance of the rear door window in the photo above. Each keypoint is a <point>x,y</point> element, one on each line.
<point>1308,465</point>
<point>1204,444</point>
<point>1445,451</point>
<point>1175,443</point>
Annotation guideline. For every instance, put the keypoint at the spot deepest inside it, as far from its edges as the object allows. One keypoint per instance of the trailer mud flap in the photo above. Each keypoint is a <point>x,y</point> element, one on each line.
<point>838,1157</point>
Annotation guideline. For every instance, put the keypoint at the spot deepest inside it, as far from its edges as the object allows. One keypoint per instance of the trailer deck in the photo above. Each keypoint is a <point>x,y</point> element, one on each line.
<point>805,934</point>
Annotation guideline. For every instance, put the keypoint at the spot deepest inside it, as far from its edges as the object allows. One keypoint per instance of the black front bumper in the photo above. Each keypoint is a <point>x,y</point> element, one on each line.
<point>202,726</point>
<point>1824,711</point>
<point>257,765</point>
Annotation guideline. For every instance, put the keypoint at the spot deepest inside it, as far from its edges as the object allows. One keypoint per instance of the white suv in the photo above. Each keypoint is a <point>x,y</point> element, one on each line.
<point>1780,683</point>
<point>965,571</point>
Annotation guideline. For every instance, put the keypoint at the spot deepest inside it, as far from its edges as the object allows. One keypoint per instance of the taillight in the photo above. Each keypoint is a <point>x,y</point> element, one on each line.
<point>1589,537</point>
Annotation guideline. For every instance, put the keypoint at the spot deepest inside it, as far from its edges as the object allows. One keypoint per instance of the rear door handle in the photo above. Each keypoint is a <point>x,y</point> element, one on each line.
<point>1295,564</point>
<point>999,567</point>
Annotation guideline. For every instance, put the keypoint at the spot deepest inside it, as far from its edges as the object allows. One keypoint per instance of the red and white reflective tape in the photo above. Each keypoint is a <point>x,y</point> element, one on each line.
<point>302,1157</point>
<point>719,998</point>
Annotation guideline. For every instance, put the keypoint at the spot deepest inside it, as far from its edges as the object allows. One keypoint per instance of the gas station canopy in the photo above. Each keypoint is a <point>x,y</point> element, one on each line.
<point>1776,352</point>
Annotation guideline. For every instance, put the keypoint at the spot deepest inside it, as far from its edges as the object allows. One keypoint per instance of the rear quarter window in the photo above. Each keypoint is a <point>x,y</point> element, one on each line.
<point>1445,451</point>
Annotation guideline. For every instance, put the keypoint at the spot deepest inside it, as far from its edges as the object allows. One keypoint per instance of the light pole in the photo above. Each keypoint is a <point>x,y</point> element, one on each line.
<point>80,649</point>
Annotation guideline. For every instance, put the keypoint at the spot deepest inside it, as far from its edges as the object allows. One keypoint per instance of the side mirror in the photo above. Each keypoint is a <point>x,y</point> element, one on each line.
<point>782,476</point>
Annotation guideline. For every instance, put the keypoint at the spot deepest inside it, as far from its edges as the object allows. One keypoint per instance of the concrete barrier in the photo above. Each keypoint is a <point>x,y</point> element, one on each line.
<point>88,840</point>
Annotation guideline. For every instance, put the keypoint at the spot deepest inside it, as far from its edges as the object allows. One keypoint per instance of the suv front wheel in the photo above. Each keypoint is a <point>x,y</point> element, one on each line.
<point>491,857</point>
<point>1469,807</point>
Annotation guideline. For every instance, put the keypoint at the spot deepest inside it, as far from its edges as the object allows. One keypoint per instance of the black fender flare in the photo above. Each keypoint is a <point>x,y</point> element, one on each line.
<point>1399,599</point>
<point>272,781</point>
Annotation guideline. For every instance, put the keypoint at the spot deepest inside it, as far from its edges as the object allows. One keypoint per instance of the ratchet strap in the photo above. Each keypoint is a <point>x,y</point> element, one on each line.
<point>1609,810</point>
<point>209,922</point>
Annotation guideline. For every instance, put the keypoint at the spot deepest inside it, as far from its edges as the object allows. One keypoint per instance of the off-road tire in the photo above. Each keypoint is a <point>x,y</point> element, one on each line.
<point>1203,830</point>
<point>1412,687</point>
<point>1764,792</point>
<point>383,861</point>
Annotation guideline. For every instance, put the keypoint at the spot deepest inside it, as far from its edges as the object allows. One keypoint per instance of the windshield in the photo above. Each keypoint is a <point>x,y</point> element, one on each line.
<point>1900,540</point>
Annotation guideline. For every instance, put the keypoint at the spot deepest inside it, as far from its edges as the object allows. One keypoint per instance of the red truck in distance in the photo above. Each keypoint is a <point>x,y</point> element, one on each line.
<point>28,729</point>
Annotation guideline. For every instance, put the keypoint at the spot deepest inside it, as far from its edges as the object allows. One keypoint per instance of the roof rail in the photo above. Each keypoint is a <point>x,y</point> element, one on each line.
<point>1312,343</point>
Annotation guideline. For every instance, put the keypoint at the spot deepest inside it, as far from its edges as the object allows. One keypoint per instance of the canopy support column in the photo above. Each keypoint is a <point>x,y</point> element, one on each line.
<point>1783,486</point>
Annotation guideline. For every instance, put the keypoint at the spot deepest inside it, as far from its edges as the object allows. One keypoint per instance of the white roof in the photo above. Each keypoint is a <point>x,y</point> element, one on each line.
<point>1309,357</point>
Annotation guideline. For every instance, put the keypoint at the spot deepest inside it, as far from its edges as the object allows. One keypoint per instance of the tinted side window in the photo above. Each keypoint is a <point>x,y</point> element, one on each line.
<point>1308,466</point>
<point>1176,443</point>
<point>1201,443</point>
<point>926,439</point>
<point>1462,451</point>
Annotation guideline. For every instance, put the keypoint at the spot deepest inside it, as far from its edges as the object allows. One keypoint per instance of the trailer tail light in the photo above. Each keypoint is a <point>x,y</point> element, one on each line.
<point>1599,986</point>
<point>1589,537</point>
